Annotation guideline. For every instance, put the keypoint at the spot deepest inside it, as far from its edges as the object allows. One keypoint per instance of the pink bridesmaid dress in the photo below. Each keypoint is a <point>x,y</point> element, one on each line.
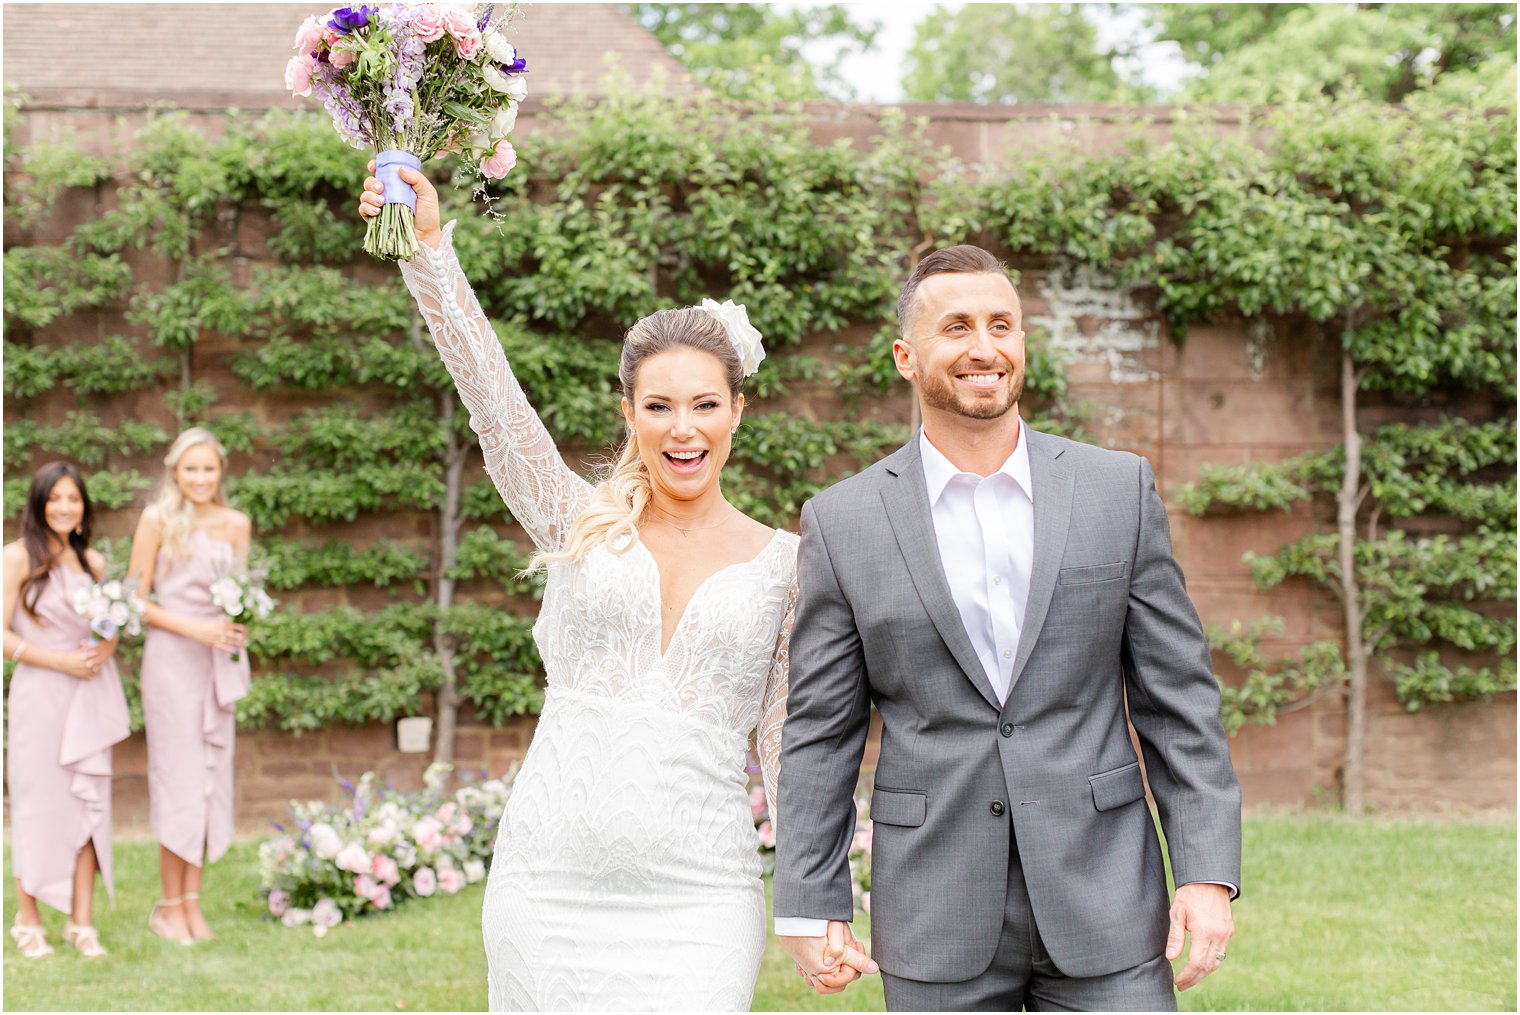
<point>58,764</point>
<point>189,693</point>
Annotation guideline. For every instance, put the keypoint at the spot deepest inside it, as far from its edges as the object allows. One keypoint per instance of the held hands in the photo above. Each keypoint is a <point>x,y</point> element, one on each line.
<point>427,222</point>
<point>220,633</point>
<point>831,963</point>
<point>1203,912</point>
<point>85,662</point>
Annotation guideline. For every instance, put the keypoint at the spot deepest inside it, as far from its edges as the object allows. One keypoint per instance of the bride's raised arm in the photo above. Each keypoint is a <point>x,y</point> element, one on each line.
<point>543,493</point>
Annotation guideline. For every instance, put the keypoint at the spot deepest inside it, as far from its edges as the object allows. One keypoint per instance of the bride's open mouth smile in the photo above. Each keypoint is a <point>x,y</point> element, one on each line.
<point>685,462</point>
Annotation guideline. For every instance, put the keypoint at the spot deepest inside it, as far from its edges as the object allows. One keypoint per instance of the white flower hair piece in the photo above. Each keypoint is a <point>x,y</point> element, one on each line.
<point>744,335</point>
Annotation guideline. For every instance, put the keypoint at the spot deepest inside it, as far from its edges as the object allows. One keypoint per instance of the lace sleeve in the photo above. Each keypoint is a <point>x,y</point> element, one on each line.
<point>542,492</point>
<point>773,709</point>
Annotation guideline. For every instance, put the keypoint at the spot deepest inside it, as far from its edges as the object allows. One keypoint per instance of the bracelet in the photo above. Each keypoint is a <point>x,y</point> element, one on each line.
<point>16,655</point>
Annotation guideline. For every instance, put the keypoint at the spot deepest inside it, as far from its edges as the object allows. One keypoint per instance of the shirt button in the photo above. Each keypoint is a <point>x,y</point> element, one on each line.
<point>1007,730</point>
<point>996,580</point>
<point>1007,653</point>
<point>997,808</point>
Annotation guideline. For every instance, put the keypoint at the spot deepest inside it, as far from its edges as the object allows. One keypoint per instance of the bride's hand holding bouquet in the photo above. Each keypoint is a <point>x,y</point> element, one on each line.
<point>428,221</point>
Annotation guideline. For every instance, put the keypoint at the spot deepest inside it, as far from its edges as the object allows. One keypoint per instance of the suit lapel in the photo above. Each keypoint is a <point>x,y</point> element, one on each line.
<point>1052,481</point>
<point>906,498</point>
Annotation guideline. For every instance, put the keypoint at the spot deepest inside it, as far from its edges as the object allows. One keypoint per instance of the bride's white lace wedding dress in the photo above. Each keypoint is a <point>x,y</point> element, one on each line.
<point>625,874</point>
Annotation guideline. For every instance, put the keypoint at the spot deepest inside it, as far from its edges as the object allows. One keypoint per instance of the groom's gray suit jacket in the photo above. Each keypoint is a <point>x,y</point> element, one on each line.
<point>962,779</point>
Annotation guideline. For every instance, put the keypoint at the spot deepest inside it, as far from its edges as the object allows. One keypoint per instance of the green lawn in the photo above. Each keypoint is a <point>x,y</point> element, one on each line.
<point>1337,915</point>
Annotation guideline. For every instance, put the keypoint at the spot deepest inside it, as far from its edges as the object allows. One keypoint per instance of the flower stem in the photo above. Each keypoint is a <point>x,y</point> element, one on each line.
<point>390,235</point>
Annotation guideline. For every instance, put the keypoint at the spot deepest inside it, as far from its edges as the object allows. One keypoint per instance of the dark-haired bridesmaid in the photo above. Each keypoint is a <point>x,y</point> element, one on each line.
<point>65,711</point>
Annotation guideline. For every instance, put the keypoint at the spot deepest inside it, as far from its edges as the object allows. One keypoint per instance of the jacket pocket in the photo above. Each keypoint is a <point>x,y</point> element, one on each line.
<point>899,807</point>
<point>1117,787</point>
<point>1093,573</point>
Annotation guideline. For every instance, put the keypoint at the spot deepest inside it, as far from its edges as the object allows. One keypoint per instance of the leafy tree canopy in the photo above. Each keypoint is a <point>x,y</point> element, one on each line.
<point>756,51</point>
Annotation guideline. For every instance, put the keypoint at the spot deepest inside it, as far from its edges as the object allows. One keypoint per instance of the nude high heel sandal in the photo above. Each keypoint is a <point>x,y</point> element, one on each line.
<point>196,897</point>
<point>85,939</point>
<point>31,939</point>
<point>156,927</point>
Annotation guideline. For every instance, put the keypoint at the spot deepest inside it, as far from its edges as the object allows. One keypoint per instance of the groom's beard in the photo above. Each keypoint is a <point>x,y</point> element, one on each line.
<point>940,392</point>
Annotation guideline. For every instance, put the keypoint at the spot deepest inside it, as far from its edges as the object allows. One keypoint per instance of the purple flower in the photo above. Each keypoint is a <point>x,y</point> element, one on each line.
<point>518,66</point>
<point>347,19</point>
<point>105,627</point>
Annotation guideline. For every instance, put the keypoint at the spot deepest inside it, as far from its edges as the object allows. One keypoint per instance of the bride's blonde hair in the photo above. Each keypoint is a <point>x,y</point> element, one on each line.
<point>175,511</point>
<point>619,498</point>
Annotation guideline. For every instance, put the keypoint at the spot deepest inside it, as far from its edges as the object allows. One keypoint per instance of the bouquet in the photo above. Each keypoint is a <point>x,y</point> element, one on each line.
<point>380,849</point>
<point>410,81</point>
<point>112,608</point>
<point>242,598</point>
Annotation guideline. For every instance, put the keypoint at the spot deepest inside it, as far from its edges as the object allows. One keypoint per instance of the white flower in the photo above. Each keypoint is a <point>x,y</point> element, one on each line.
<point>500,50</point>
<point>474,871</point>
<point>353,858</point>
<point>120,614</point>
<point>82,599</point>
<point>514,86</point>
<point>295,917</point>
<point>504,121</point>
<point>325,841</point>
<point>113,590</point>
<point>745,337</point>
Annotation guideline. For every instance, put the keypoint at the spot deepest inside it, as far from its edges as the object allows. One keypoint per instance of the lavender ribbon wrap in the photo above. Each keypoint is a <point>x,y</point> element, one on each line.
<point>388,165</point>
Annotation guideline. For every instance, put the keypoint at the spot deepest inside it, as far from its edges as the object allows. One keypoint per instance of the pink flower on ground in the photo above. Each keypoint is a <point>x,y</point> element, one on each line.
<point>310,37</point>
<point>353,858</point>
<point>450,880</point>
<point>766,833</point>
<point>298,75</point>
<point>757,801</point>
<point>424,882</point>
<point>278,902</point>
<point>365,886</point>
<point>430,26</point>
<point>385,870</point>
<point>501,162</point>
<point>460,826</point>
<point>326,913</point>
<point>382,897</point>
<point>865,902</point>
<point>428,834</point>
<point>862,840</point>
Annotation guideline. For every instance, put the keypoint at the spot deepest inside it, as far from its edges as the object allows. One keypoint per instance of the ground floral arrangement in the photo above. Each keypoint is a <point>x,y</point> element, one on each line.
<point>383,847</point>
<point>380,848</point>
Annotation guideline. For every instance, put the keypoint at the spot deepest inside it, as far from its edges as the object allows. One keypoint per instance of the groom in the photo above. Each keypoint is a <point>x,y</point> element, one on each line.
<point>1001,595</point>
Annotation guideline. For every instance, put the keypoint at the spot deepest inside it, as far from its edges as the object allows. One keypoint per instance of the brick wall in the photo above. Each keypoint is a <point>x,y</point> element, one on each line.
<point>1229,393</point>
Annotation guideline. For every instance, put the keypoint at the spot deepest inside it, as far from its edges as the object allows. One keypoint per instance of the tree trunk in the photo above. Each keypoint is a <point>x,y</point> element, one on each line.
<point>449,519</point>
<point>1353,776</point>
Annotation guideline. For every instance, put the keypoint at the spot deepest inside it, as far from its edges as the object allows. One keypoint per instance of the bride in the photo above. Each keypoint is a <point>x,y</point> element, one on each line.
<point>626,873</point>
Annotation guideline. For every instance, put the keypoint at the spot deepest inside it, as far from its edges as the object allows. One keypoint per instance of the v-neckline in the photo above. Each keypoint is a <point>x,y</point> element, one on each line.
<point>685,610</point>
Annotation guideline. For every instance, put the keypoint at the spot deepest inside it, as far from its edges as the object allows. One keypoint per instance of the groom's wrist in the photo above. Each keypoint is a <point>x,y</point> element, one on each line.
<point>801,926</point>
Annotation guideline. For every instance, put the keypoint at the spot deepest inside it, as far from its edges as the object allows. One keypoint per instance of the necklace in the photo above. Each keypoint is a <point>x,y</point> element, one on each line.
<point>683,530</point>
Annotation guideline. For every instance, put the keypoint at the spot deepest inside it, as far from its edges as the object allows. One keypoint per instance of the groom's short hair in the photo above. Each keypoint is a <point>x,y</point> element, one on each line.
<point>962,259</point>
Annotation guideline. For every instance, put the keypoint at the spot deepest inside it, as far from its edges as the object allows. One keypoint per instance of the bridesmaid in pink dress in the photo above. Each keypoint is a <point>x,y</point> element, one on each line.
<point>66,709</point>
<point>187,538</point>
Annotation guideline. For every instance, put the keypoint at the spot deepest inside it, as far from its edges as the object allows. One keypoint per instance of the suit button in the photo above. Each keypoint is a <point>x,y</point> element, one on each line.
<point>997,808</point>
<point>1007,729</point>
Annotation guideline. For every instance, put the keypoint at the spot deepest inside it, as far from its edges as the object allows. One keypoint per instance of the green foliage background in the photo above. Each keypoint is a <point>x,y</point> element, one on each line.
<point>309,360</point>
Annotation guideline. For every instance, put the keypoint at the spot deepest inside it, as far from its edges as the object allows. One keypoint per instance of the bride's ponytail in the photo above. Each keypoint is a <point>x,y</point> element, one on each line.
<point>619,499</point>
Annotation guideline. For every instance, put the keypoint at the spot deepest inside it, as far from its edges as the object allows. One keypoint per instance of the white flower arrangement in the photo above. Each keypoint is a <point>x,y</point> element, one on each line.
<point>380,849</point>
<point>112,608</point>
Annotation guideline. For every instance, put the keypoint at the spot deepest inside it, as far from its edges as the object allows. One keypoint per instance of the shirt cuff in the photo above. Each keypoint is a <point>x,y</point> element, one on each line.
<point>1234,889</point>
<point>801,926</point>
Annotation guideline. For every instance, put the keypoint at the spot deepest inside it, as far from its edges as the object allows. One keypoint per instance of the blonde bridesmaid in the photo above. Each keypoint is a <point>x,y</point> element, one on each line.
<point>66,709</point>
<point>187,538</point>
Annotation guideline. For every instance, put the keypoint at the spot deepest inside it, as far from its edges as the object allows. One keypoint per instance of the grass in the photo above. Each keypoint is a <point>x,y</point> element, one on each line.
<point>1337,915</point>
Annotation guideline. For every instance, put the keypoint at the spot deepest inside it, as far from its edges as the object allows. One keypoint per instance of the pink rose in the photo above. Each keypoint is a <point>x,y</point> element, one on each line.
<point>352,858</point>
<point>425,882</point>
<point>500,163</point>
<point>382,897</point>
<point>341,58</point>
<point>298,75</point>
<point>450,880</point>
<point>364,886</point>
<point>428,834</point>
<point>310,37</point>
<point>278,902</point>
<point>429,26</point>
<point>865,902</point>
<point>384,868</point>
<point>467,47</point>
<point>757,801</point>
<point>766,833</point>
<point>447,811</point>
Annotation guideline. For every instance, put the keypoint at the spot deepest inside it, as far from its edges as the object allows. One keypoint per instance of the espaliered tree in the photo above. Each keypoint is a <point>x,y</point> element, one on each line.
<point>1386,233</point>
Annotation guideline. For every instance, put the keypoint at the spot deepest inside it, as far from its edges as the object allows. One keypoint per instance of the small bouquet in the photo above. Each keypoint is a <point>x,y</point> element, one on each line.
<point>112,608</point>
<point>242,598</point>
<point>410,81</point>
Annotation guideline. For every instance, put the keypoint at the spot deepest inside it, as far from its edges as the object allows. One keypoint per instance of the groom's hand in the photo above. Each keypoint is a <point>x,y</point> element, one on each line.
<point>1202,911</point>
<point>831,963</point>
